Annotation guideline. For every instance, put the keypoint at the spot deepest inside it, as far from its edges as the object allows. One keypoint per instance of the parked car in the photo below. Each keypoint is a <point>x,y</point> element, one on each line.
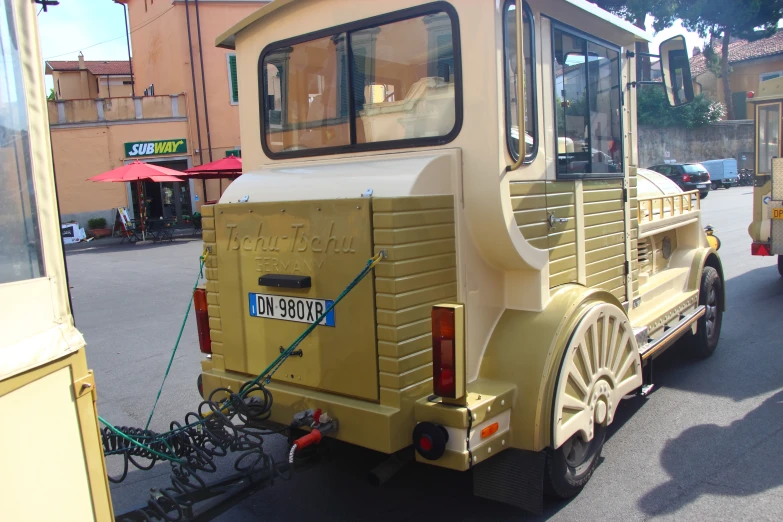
<point>688,176</point>
<point>723,172</point>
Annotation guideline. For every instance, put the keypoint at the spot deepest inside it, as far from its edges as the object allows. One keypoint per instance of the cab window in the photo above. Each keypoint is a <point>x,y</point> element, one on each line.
<point>512,77</point>
<point>588,99</point>
<point>382,83</point>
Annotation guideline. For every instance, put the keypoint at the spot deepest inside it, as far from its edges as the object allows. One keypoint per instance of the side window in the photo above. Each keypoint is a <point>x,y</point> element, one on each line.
<point>665,170</point>
<point>588,106</point>
<point>233,88</point>
<point>512,78</point>
<point>20,242</point>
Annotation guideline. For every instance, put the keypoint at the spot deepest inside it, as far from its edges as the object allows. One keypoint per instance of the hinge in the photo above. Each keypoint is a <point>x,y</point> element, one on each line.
<point>85,385</point>
<point>627,268</point>
<point>630,85</point>
<point>622,98</point>
<point>625,194</point>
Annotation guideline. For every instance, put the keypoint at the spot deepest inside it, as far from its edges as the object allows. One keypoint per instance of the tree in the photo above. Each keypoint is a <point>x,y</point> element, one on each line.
<point>653,110</point>
<point>51,96</point>
<point>636,11</point>
<point>748,19</point>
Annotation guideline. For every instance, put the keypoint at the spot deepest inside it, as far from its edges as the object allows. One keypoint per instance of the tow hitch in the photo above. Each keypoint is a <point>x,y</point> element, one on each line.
<point>320,424</point>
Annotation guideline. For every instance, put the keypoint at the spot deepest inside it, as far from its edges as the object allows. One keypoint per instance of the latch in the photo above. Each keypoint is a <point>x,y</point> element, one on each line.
<point>85,385</point>
<point>554,221</point>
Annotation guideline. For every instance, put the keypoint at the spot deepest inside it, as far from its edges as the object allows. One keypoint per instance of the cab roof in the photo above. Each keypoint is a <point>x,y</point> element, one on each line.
<point>227,40</point>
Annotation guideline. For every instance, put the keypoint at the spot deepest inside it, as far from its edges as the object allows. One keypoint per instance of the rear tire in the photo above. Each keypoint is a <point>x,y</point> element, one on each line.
<point>570,467</point>
<point>704,342</point>
<point>780,265</point>
<point>715,185</point>
<point>703,195</point>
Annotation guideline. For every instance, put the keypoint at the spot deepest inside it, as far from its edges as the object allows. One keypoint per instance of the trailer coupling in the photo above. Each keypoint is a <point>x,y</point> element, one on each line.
<point>319,423</point>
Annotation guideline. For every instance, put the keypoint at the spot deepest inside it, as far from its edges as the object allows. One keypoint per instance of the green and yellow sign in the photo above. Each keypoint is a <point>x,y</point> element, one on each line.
<point>155,148</point>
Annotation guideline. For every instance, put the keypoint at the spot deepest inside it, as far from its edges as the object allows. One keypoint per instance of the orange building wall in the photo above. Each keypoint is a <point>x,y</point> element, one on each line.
<point>161,57</point>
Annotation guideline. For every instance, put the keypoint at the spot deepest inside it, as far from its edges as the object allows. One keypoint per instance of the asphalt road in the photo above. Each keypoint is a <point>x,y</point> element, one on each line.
<point>705,445</point>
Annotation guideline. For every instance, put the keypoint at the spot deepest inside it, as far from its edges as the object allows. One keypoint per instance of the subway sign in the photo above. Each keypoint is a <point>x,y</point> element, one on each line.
<point>155,148</point>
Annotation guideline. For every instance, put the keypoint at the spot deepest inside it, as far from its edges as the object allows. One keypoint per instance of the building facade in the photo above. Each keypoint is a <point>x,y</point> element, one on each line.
<point>177,101</point>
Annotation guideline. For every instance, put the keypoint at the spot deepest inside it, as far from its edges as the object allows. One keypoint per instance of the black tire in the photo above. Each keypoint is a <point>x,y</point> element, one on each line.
<point>703,344</point>
<point>703,195</point>
<point>715,185</point>
<point>568,469</point>
<point>780,265</point>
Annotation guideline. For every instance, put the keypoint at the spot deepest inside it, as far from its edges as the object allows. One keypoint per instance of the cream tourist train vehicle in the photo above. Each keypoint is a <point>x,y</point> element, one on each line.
<point>50,447</point>
<point>766,229</point>
<point>520,295</point>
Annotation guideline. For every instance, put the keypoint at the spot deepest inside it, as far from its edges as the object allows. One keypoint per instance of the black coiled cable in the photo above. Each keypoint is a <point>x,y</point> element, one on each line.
<point>224,423</point>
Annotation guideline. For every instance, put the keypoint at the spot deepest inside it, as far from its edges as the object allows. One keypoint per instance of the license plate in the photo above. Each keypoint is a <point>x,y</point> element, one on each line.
<point>298,309</point>
<point>703,185</point>
<point>777,213</point>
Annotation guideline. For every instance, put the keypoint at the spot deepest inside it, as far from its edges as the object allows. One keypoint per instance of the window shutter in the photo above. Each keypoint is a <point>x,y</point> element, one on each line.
<point>232,68</point>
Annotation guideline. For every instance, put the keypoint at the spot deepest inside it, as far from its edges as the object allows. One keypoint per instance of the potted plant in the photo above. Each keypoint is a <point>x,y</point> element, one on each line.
<point>196,220</point>
<point>98,228</point>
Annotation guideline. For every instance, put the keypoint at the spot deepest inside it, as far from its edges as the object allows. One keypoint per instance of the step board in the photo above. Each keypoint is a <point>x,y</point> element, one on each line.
<point>671,333</point>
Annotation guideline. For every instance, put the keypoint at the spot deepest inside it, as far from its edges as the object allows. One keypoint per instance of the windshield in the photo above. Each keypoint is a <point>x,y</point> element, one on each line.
<point>388,82</point>
<point>694,169</point>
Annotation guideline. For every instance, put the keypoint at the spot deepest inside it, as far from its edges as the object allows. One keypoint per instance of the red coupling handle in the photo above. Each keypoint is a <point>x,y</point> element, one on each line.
<point>314,437</point>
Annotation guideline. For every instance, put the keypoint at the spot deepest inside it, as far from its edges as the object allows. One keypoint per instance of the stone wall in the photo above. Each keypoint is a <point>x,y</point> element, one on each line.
<point>732,139</point>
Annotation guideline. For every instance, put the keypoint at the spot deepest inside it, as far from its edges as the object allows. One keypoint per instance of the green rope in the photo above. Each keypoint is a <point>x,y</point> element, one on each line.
<point>266,374</point>
<point>139,444</point>
<point>176,343</point>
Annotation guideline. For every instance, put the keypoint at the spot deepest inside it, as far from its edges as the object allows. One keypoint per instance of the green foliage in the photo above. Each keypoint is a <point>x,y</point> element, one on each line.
<point>51,96</point>
<point>636,11</point>
<point>654,111</point>
<point>98,222</point>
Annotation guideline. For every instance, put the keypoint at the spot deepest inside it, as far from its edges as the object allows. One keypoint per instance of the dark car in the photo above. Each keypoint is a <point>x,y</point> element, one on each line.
<point>688,176</point>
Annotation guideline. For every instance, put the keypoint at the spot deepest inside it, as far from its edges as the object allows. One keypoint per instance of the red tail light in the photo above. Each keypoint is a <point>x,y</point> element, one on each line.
<point>759,249</point>
<point>686,178</point>
<point>444,369</point>
<point>202,320</point>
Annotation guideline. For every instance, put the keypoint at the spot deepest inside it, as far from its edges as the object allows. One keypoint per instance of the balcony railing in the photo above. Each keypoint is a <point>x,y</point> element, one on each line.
<point>117,110</point>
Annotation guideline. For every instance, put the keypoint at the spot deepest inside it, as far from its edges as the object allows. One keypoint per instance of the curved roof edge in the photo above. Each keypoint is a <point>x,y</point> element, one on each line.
<point>227,39</point>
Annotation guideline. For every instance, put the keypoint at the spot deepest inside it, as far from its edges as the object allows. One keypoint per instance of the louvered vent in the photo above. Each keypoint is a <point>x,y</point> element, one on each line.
<point>644,253</point>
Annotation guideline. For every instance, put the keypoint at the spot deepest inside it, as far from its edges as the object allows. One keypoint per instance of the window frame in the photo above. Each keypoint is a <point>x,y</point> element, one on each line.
<point>348,28</point>
<point>761,75</point>
<point>529,158</point>
<point>556,24</point>
<point>231,85</point>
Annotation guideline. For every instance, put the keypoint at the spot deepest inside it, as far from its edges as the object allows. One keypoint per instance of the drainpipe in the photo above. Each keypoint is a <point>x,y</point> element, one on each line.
<point>127,40</point>
<point>195,97</point>
<point>203,82</point>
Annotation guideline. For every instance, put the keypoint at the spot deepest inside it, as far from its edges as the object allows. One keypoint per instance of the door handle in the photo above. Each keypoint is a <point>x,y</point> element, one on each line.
<point>554,221</point>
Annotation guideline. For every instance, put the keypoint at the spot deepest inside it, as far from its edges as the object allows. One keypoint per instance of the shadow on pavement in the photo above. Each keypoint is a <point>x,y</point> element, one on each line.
<point>114,245</point>
<point>732,457</point>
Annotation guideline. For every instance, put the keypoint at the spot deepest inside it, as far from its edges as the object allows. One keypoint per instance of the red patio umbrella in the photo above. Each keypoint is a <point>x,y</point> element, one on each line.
<point>227,167</point>
<point>138,172</point>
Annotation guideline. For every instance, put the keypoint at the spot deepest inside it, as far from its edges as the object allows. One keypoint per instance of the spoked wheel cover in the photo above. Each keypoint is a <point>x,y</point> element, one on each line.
<point>600,366</point>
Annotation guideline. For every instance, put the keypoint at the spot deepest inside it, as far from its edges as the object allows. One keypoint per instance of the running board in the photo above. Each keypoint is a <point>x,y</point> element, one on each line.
<point>671,333</point>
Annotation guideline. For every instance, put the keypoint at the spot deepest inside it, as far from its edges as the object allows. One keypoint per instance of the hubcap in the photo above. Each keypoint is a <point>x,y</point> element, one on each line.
<point>712,312</point>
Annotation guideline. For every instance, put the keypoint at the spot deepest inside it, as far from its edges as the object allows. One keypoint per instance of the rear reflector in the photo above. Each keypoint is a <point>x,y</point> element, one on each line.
<point>202,320</point>
<point>759,249</point>
<point>448,351</point>
<point>489,430</point>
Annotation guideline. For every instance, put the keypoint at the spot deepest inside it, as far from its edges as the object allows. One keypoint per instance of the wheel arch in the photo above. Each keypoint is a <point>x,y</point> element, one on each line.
<point>533,368</point>
<point>707,257</point>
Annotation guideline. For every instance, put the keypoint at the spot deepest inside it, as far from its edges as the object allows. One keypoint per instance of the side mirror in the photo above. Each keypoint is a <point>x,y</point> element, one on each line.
<point>676,71</point>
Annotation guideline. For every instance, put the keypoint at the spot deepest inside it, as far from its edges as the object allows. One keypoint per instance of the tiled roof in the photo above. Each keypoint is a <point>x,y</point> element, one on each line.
<point>742,50</point>
<point>98,68</point>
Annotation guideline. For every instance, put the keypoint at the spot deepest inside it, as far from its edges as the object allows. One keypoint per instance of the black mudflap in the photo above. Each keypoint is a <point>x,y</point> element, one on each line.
<point>514,477</point>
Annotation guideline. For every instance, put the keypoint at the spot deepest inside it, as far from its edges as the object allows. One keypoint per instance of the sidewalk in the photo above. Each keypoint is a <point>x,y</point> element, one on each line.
<point>105,242</point>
